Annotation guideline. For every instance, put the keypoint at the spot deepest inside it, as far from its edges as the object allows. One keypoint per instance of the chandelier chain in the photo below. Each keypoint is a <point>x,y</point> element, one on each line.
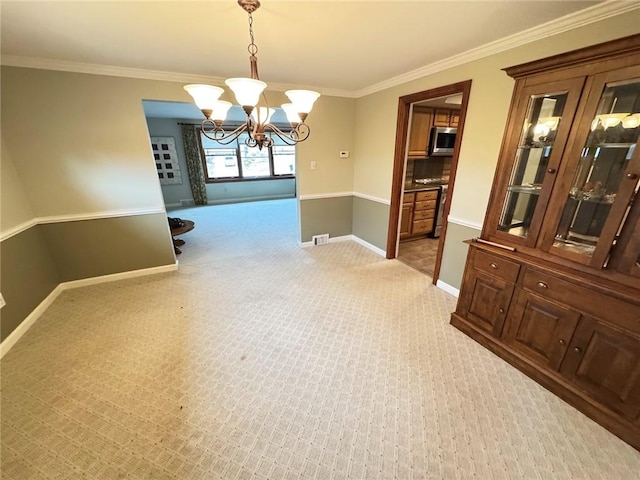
<point>253,48</point>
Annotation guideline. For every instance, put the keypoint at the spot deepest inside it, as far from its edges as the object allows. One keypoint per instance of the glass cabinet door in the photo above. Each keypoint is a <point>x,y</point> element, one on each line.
<point>546,116</point>
<point>605,177</point>
<point>626,256</point>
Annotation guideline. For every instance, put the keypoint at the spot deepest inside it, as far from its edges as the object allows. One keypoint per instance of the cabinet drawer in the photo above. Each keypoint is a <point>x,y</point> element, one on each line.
<point>428,195</point>
<point>583,298</point>
<point>426,205</point>
<point>424,214</point>
<point>496,266</point>
<point>422,226</point>
<point>408,197</point>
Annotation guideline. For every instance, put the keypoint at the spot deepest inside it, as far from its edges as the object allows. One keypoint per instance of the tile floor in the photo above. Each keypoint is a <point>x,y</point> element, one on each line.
<point>419,254</point>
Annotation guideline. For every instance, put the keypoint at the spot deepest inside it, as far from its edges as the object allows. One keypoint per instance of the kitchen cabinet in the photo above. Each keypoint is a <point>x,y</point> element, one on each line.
<point>565,210</point>
<point>421,123</point>
<point>446,118</point>
<point>418,213</point>
<point>454,118</point>
<point>406,217</point>
<point>422,119</point>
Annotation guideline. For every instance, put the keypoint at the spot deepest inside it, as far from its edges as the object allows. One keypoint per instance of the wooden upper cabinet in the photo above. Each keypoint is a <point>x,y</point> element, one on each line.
<point>531,157</point>
<point>600,174</point>
<point>421,122</point>
<point>454,118</point>
<point>446,118</point>
<point>441,118</point>
<point>569,168</point>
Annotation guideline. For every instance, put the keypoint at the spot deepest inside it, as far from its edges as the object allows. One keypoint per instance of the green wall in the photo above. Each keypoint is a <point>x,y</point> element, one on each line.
<point>371,221</point>
<point>92,248</point>
<point>28,273</point>
<point>326,215</point>
<point>454,253</point>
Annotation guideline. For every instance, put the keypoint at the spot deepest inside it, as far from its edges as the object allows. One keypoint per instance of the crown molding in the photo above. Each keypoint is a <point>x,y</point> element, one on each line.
<point>110,70</point>
<point>143,74</point>
<point>601,11</point>
<point>596,13</point>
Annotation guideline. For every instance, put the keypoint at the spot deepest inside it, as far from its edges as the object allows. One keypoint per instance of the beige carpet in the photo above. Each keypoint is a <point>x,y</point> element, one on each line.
<point>259,359</point>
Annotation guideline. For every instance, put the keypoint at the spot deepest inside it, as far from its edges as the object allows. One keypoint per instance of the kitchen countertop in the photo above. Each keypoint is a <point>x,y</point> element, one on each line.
<point>419,187</point>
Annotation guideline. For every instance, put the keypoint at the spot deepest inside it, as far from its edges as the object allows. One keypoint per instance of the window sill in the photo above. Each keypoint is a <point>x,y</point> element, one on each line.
<point>250,179</point>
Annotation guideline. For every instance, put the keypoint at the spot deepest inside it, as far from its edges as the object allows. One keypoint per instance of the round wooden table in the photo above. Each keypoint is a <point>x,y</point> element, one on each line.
<point>187,226</point>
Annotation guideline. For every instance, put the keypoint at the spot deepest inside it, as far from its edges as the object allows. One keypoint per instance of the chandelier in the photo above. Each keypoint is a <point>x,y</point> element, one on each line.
<point>247,92</point>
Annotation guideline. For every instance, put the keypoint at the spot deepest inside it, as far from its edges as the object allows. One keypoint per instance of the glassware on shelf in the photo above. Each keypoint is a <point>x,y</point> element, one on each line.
<point>539,129</point>
<point>605,157</point>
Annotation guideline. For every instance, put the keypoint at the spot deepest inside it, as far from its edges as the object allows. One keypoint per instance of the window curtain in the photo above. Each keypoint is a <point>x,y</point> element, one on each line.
<point>194,164</point>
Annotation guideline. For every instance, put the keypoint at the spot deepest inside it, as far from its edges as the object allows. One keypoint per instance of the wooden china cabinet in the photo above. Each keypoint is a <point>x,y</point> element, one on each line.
<point>553,283</point>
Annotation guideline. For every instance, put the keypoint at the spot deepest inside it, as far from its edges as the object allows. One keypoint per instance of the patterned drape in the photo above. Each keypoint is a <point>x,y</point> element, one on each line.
<point>194,164</point>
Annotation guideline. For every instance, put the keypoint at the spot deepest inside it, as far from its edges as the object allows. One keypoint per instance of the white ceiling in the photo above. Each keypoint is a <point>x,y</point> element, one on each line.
<point>338,47</point>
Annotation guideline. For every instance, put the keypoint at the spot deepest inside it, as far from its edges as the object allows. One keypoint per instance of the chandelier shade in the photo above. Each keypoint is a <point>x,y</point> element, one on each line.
<point>248,92</point>
<point>302,100</point>
<point>204,96</point>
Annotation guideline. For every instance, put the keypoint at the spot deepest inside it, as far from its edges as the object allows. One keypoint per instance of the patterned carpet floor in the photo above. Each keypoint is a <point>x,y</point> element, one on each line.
<point>259,359</point>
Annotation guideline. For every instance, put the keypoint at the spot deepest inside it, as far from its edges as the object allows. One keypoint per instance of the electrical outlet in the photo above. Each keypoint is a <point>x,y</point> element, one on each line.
<point>320,239</point>
<point>344,154</point>
<point>313,165</point>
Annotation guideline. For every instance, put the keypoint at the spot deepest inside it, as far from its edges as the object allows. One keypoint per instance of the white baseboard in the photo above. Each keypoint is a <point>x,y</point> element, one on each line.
<point>448,288</point>
<point>119,276</point>
<point>370,246</point>
<point>229,201</point>
<point>24,326</point>
<point>344,238</point>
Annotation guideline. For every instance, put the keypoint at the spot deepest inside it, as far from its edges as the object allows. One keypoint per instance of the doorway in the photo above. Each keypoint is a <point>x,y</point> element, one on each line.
<point>423,236</point>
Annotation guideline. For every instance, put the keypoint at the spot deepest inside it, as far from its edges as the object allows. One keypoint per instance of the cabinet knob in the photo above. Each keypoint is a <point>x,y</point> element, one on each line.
<point>577,350</point>
<point>501,310</point>
<point>543,285</point>
<point>551,170</point>
<point>561,341</point>
<point>632,176</point>
<point>493,265</point>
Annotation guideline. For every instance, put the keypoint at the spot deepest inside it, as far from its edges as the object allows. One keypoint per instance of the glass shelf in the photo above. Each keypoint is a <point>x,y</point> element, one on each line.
<point>532,189</point>
<point>534,145</point>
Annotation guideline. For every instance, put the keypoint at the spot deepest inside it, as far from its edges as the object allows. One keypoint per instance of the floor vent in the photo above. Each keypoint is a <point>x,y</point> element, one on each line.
<point>320,239</point>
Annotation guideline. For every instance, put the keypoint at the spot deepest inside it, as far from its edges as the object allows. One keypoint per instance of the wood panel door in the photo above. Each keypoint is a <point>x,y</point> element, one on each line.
<point>605,363</point>
<point>541,329</point>
<point>486,301</point>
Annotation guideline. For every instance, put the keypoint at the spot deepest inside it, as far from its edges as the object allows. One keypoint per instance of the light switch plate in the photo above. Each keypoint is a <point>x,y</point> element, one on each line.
<point>344,154</point>
<point>2,302</point>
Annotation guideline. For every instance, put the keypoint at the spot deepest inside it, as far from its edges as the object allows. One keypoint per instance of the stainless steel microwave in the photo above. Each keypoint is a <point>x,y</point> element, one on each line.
<point>442,141</point>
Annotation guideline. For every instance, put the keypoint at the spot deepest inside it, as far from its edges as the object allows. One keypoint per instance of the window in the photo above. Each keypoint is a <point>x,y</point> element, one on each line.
<point>237,161</point>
